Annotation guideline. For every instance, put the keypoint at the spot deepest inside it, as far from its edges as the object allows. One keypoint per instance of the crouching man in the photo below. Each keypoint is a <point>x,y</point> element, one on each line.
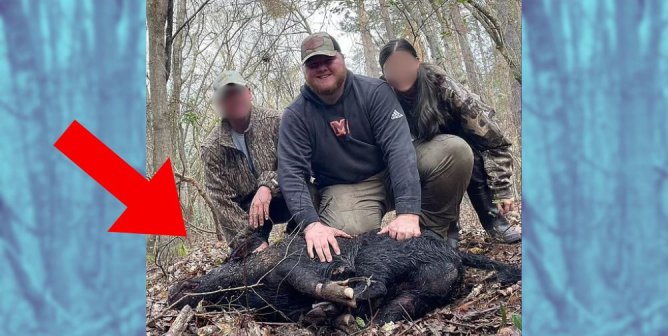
<point>240,161</point>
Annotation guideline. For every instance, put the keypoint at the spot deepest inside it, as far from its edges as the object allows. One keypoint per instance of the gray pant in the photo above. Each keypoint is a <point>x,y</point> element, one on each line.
<point>444,164</point>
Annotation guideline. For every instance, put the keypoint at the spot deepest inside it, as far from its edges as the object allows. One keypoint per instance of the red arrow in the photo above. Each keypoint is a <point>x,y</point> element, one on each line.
<point>152,206</point>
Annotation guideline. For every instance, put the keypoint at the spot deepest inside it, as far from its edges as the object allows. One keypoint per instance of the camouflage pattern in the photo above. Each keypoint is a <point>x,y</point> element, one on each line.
<point>475,123</point>
<point>319,44</point>
<point>228,178</point>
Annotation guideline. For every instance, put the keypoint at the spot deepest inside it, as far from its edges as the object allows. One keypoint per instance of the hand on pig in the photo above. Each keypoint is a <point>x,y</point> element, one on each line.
<point>319,237</point>
<point>405,226</point>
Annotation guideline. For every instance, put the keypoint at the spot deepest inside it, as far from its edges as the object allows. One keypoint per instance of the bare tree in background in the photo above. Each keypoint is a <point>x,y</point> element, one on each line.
<point>462,32</point>
<point>370,50</point>
<point>190,42</point>
<point>422,28</point>
<point>390,31</point>
<point>509,18</point>
<point>492,25</point>
<point>161,149</point>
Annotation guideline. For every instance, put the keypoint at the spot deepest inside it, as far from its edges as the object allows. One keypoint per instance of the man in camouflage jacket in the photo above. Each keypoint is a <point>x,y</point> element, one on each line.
<point>240,161</point>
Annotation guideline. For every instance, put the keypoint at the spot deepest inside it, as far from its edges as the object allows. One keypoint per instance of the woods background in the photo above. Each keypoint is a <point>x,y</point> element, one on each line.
<point>191,41</point>
<point>595,124</point>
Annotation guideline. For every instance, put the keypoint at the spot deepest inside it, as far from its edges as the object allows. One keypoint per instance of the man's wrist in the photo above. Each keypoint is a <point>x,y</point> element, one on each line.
<point>269,182</point>
<point>409,216</point>
<point>310,226</point>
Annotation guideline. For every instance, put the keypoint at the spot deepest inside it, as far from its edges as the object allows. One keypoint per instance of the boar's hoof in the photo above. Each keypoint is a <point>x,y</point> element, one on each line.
<point>321,313</point>
<point>346,323</point>
<point>336,291</point>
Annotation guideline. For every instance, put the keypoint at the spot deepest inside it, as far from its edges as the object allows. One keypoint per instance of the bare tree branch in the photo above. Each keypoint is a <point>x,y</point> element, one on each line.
<point>178,30</point>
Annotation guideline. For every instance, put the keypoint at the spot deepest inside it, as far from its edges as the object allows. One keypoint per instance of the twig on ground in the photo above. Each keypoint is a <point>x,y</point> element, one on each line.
<point>181,322</point>
<point>461,324</point>
<point>198,294</point>
<point>474,314</point>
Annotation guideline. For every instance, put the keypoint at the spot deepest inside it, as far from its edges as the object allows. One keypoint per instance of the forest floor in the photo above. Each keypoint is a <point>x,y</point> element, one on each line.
<point>484,308</point>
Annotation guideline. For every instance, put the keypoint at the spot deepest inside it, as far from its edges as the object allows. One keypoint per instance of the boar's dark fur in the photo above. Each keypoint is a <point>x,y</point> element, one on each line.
<point>387,279</point>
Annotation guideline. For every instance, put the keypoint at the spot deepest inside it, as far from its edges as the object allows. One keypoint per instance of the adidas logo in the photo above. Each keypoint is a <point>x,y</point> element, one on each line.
<point>396,115</point>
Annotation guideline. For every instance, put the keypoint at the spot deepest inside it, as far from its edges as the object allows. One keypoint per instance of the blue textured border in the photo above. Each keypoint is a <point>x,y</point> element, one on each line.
<point>61,273</point>
<point>595,158</point>
<point>595,167</point>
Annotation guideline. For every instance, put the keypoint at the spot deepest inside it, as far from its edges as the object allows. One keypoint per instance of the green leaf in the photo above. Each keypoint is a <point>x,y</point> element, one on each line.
<point>360,322</point>
<point>517,321</point>
<point>504,315</point>
<point>182,250</point>
<point>190,117</point>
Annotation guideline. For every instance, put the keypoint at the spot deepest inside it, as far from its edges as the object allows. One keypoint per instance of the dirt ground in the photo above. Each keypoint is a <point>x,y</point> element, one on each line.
<point>484,308</point>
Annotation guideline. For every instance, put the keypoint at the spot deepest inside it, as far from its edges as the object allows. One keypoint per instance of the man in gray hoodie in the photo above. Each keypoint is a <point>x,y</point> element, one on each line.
<point>350,133</point>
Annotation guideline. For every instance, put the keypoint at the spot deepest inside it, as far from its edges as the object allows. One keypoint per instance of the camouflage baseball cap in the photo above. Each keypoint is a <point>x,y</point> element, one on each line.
<point>227,80</point>
<point>319,44</point>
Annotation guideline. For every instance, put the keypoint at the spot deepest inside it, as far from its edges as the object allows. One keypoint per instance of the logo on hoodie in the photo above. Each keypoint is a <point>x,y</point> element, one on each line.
<point>340,127</point>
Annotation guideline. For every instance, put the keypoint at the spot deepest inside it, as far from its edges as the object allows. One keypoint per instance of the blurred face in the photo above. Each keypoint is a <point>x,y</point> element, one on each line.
<point>235,103</point>
<point>400,70</point>
<point>325,74</point>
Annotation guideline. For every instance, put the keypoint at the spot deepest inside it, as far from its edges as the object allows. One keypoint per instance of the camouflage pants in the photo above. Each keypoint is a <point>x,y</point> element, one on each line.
<point>444,164</point>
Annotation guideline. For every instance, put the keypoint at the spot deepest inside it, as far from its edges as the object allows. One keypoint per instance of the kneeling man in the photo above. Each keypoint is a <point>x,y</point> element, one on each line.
<point>240,161</point>
<point>350,132</point>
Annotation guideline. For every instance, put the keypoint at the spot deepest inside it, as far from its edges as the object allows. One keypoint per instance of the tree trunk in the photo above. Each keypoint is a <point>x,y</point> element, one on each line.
<point>169,29</point>
<point>491,24</point>
<point>452,50</point>
<point>370,54</point>
<point>174,107</point>
<point>156,17</point>
<point>510,28</point>
<point>467,55</point>
<point>481,51</point>
<point>434,42</point>
<point>390,32</point>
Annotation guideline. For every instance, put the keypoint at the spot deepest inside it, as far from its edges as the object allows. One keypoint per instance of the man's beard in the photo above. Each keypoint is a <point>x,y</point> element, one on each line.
<point>331,89</point>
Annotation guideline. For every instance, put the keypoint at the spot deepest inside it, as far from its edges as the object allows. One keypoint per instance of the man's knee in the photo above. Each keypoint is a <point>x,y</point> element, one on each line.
<point>342,211</point>
<point>357,221</point>
<point>444,152</point>
<point>354,208</point>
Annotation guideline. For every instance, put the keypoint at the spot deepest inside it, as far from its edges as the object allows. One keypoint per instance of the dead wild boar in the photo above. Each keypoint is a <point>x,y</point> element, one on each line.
<point>375,276</point>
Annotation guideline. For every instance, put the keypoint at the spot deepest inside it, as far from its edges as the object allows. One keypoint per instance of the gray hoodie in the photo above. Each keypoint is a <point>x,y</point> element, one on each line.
<point>362,134</point>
